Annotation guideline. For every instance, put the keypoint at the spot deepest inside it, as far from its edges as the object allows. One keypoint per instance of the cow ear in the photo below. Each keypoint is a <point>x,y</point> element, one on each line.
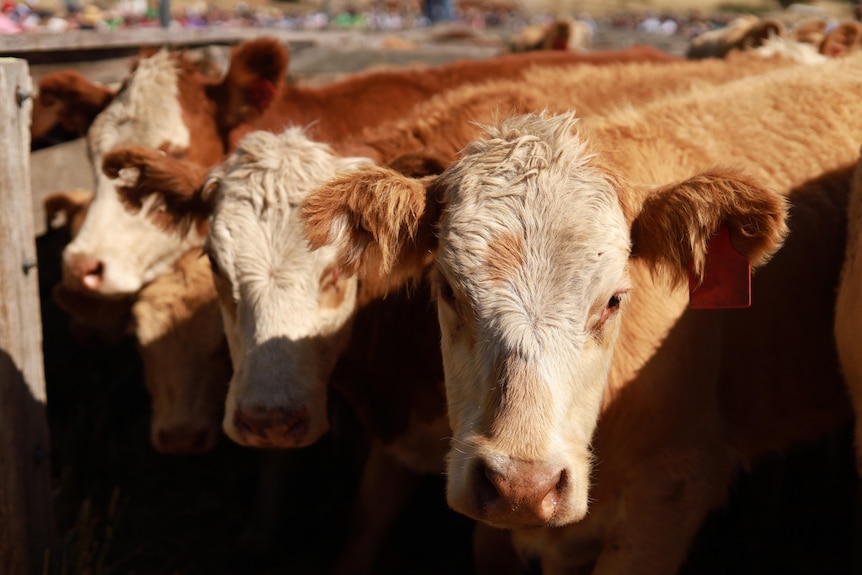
<point>673,229</point>
<point>842,39</point>
<point>382,222</point>
<point>257,68</point>
<point>67,99</point>
<point>179,196</point>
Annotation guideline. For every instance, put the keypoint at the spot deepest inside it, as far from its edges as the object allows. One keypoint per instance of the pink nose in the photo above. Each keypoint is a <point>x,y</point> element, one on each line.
<point>272,427</point>
<point>81,273</point>
<point>521,492</point>
<point>184,439</point>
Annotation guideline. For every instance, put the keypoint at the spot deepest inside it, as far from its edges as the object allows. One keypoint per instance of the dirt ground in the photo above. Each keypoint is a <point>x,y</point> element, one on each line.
<point>123,509</point>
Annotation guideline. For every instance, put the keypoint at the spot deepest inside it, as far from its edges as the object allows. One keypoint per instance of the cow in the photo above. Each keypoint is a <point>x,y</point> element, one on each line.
<point>530,291</point>
<point>177,328</point>
<point>169,105</point>
<point>848,307</point>
<point>186,365</point>
<point>810,41</point>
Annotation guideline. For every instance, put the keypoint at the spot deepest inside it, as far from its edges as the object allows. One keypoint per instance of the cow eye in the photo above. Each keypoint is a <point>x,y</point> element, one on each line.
<point>612,307</point>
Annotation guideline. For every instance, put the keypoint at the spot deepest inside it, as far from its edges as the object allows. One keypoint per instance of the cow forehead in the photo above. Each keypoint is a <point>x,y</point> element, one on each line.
<point>258,193</point>
<point>526,214</point>
<point>146,111</point>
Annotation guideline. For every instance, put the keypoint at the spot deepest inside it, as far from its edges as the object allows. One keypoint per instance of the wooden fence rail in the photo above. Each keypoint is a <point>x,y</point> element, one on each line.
<point>26,518</point>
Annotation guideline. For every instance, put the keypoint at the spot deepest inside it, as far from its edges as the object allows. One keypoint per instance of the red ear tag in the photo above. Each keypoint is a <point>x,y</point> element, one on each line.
<point>726,277</point>
<point>260,94</point>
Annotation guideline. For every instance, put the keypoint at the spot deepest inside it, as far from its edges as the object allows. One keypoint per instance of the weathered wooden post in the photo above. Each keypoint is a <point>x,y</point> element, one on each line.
<point>26,518</point>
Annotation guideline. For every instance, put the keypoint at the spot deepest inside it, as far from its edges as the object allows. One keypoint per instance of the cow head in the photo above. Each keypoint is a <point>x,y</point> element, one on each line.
<point>166,105</point>
<point>177,323</point>
<point>536,242</point>
<point>286,308</point>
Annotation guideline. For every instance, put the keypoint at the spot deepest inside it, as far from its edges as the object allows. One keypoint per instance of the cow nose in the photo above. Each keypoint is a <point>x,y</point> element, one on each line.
<point>272,427</point>
<point>82,273</point>
<point>520,492</point>
<point>184,439</point>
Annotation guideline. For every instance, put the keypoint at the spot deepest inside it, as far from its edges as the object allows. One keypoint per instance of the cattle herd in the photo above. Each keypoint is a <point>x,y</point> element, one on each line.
<point>589,289</point>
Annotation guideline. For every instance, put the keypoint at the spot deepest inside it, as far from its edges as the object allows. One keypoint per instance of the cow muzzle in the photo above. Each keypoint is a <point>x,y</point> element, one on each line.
<point>513,493</point>
<point>272,427</point>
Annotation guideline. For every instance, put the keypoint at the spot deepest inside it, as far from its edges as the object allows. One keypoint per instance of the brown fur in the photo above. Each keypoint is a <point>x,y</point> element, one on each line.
<point>175,184</point>
<point>373,97</point>
<point>67,99</point>
<point>658,227</point>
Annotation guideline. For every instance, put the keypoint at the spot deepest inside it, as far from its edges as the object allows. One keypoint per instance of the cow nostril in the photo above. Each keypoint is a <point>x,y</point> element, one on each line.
<point>487,482</point>
<point>276,427</point>
<point>93,275</point>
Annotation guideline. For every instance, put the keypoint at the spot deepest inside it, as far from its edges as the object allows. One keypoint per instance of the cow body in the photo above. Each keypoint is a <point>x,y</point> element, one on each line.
<point>848,309</point>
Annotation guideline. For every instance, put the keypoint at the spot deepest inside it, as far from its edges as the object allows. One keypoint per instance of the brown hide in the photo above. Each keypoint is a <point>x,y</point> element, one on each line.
<point>338,110</point>
<point>69,100</point>
<point>725,388</point>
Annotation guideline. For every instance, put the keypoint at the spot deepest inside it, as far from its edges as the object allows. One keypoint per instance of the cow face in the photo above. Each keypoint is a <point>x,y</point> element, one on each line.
<point>115,251</point>
<point>287,308</point>
<point>186,365</point>
<point>531,281</point>
<point>536,241</point>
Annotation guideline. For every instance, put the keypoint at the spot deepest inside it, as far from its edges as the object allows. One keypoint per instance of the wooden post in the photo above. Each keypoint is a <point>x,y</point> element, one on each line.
<point>26,517</point>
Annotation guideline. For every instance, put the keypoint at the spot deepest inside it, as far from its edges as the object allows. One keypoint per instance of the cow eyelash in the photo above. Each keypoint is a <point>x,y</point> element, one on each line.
<point>613,305</point>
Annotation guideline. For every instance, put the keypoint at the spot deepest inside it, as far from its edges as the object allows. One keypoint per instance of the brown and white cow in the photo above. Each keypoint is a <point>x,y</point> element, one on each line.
<point>848,308</point>
<point>177,326</point>
<point>168,104</point>
<point>186,364</point>
<point>539,221</point>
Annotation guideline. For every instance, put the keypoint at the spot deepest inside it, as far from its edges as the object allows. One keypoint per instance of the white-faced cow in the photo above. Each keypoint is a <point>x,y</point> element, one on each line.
<point>549,238</point>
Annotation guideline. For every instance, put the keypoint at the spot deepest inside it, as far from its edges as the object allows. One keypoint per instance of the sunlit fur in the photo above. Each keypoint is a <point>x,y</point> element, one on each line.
<point>285,321</point>
<point>133,249</point>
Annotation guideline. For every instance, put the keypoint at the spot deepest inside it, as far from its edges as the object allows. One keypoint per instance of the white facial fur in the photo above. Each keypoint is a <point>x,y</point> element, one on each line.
<point>287,309</point>
<point>132,249</point>
<point>533,247</point>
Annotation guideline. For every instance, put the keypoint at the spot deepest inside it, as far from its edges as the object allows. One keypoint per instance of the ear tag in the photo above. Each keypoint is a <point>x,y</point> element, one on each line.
<point>726,277</point>
<point>260,94</point>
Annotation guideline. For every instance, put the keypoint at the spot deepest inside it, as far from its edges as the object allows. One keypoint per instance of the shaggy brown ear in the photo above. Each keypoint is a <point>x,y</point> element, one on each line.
<point>382,221</point>
<point>257,68</point>
<point>72,204</point>
<point>673,229</point>
<point>176,185</point>
<point>842,39</point>
<point>69,100</point>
